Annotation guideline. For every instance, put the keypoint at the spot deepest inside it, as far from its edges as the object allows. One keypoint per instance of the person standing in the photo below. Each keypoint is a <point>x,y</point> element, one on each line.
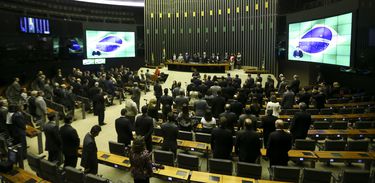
<point>300,123</point>
<point>89,158</point>
<point>70,143</point>
<point>248,143</point>
<point>19,129</point>
<point>158,92</point>
<point>124,129</point>
<point>3,116</point>
<point>136,94</point>
<point>221,140</point>
<point>140,161</point>
<point>167,103</point>
<point>131,110</point>
<point>294,85</point>
<point>273,106</point>
<point>53,141</point>
<point>13,92</point>
<point>268,125</point>
<point>279,144</point>
<point>99,101</point>
<point>144,126</point>
<point>288,99</point>
<point>169,132</point>
<point>40,109</point>
<point>217,105</point>
<point>200,106</point>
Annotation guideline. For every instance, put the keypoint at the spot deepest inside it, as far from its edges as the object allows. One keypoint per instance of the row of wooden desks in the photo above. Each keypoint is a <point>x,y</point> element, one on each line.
<point>19,175</point>
<point>370,133</point>
<point>186,144</point>
<point>335,116</point>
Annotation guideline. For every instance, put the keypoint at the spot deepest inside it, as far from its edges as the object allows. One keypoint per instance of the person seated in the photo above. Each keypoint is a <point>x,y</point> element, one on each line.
<point>180,58</point>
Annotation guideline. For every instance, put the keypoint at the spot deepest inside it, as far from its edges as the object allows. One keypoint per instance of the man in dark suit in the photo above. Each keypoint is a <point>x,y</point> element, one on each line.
<point>19,129</point>
<point>169,131</point>
<point>136,94</point>
<point>166,102</point>
<point>221,140</point>
<point>288,99</point>
<point>53,141</point>
<point>279,144</point>
<point>93,91</point>
<point>144,126</point>
<point>294,85</point>
<point>248,143</point>
<point>320,99</point>
<point>268,125</point>
<point>124,129</point>
<point>300,123</point>
<point>231,118</point>
<point>99,101</point>
<point>89,158</point>
<point>70,143</point>
<point>158,92</point>
<point>217,105</point>
<point>3,116</point>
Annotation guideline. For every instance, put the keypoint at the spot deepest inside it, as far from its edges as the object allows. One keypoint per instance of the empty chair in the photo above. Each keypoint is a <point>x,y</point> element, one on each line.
<point>95,179</point>
<point>339,125</point>
<point>73,175</point>
<point>34,162</point>
<point>220,166</point>
<point>188,161</point>
<point>358,145</point>
<point>313,111</point>
<point>285,173</point>
<point>355,176</point>
<point>157,132</point>
<point>250,170</point>
<point>326,111</point>
<point>50,171</point>
<point>164,157</point>
<point>334,145</point>
<point>203,137</point>
<point>185,135</point>
<point>320,125</point>
<point>363,124</point>
<point>304,144</point>
<point>312,175</point>
<point>117,148</point>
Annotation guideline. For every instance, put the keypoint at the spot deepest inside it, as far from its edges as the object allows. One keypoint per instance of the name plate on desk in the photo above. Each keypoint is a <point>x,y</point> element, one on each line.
<point>214,178</point>
<point>105,156</point>
<point>307,153</point>
<point>181,173</point>
<point>126,161</point>
<point>201,145</point>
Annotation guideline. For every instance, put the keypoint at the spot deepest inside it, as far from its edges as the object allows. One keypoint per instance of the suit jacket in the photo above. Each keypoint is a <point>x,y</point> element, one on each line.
<point>288,100</point>
<point>18,126</point>
<point>248,145</point>
<point>294,86</point>
<point>268,125</point>
<point>320,100</point>
<point>231,119</point>
<point>3,118</point>
<point>144,126</point>
<point>124,130</point>
<point>217,105</point>
<point>69,139</point>
<point>221,143</point>
<point>89,158</point>
<point>41,106</point>
<point>200,107</point>
<point>99,103</point>
<point>53,141</point>
<point>236,107</point>
<point>169,131</point>
<point>158,91</point>
<point>180,101</point>
<point>300,125</point>
<point>279,143</point>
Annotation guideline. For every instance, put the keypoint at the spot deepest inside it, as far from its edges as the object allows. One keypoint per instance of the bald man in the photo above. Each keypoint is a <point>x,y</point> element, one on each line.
<point>279,143</point>
<point>248,143</point>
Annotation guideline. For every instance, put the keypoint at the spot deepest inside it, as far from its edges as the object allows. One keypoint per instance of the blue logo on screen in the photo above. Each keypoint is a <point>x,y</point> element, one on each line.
<point>315,40</point>
<point>109,44</point>
<point>74,45</point>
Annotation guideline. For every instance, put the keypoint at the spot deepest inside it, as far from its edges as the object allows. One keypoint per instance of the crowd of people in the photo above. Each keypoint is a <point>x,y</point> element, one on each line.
<point>222,106</point>
<point>233,59</point>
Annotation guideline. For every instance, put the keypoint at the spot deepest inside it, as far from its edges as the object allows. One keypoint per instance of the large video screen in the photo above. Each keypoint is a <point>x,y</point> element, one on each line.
<point>326,40</point>
<point>34,25</point>
<point>109,44</point>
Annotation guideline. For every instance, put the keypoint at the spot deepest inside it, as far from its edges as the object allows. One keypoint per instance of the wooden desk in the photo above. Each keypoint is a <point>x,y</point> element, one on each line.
<point>112,160</point>
<point>31,131</point>
<point>173,174</point>
<point>186,144</point>
<point>20,176</point>
<point>335,116</point>
<point>345,156</point>
<point>205,177</point>
<point>298,155</point>
<point>228,178</point>
<point>342,133</point>
<point>190,67</point>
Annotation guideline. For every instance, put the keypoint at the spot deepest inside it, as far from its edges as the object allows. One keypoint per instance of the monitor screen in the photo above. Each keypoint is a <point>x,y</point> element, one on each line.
<point>75,45</point>
<point>109,44</point>
<point>326,40</point>
<point>34,25</point>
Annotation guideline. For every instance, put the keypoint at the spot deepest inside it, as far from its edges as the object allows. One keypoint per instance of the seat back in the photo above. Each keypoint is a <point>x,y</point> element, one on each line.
<point>355,176</point>
<point>326,111</point>
<point>185,135</point>
<point>49,171</point>
<point>95,179</point>
<point>345,110</point>
<point>334,145</point>
<point>117,148</point>
<point>34,162</point>
<point>358,110</point>
<point>157,132</point>
<point>250,170</point>
<point>304,144</point>
<point>203,137</point>
<point>339,125</point>
<point>313,111</point>
<point>319,125</point>
<point>164,157</point>
<point>363,124</point>
<point>220,166</point>
<point>188,161</point>
<point>358,145</point>
<point>73,175</point>
<point>312,175</point>
<point>284,173</point>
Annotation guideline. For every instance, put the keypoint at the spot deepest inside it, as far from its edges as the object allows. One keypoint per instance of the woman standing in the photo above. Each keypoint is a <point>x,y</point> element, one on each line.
<point>140,160</point>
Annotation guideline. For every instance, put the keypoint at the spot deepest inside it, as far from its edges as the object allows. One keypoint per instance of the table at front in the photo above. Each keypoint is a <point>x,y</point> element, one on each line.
<point>21,176</point>
<point>345,156</point>
<point>190,67</point>
<point>370,133</point>
<point>298,155</point>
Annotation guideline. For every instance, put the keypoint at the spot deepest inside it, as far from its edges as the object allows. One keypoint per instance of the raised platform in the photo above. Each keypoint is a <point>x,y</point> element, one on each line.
<point>190,67</point>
